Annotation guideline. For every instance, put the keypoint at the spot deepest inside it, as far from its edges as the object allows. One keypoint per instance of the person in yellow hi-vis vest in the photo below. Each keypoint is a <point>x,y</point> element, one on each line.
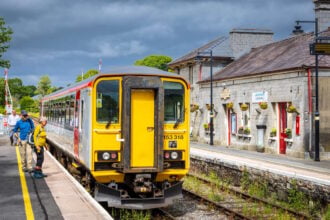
<point>39,137</point>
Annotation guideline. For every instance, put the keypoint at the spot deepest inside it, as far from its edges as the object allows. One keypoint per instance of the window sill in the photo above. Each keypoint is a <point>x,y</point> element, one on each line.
<point>288,140</point>
<point>272,138</point>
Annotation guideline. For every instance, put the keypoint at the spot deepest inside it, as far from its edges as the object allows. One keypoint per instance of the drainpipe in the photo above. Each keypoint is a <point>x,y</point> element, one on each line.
<point>310,108</point>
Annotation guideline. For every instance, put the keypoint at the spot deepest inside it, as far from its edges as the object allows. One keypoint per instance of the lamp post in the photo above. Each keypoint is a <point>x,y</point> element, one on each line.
<point>210,53</point>
<point>317,113</point>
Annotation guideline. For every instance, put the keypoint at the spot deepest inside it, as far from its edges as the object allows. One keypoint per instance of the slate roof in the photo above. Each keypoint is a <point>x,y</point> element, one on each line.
<point>220,46</point>
<point>287,54</point>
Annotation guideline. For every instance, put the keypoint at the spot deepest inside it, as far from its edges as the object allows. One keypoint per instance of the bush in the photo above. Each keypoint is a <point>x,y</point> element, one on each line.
<point>28,104</point>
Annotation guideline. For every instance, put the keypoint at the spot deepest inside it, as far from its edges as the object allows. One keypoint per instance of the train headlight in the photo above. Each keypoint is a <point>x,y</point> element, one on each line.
<point>174,155</point>
<point>106,156</point>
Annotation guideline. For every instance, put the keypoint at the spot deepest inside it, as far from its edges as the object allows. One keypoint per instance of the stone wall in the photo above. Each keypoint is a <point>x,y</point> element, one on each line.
<point>276,183</point>
<point>324,92</point>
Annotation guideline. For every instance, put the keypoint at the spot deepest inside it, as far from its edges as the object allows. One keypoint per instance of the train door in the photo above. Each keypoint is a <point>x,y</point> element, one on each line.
<point>142,127</point>
<point>282,126</point>
<point>142,124</point>
<point>76,125</point>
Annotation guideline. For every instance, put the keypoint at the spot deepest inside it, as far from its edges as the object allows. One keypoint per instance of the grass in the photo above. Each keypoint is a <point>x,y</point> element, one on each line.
<point>126,214</point>
<point>216,197</point>
<point>326,215</point>
<point>297,199</point>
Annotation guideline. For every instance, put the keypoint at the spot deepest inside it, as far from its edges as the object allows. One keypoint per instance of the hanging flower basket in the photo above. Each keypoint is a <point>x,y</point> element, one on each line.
<point>194,107</point>
<point>247,131</point>
<point>291,109</point>
<point>208,106</point>
<point>288,132</point>
<point>273,132</point>
<point>263,105</point>
<point>244,107</point>
<point>230,105</point>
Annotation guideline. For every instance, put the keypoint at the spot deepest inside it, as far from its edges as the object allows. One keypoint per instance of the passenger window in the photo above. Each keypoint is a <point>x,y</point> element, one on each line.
<point>174,102</point>
<point>107,101</point>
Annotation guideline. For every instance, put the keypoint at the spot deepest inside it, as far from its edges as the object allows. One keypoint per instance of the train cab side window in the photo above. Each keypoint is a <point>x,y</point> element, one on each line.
<point>174,102</point>
<point>107,101</point>
<point>81,115</point>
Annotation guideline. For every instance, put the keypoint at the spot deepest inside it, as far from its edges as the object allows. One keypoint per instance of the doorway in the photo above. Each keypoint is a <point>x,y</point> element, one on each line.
<point>282,126</point>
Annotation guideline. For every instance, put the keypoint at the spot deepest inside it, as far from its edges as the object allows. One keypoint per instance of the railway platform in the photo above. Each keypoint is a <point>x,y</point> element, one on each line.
<point>59,196</point>
<point>309,170</point>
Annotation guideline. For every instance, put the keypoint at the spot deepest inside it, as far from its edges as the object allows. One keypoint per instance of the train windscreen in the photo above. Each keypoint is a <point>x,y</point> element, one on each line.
<point>107,101</point>
<point>174,102</point>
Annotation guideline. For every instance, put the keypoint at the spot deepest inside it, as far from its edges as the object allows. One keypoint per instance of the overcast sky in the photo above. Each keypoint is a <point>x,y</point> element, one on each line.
<point>61,37</point>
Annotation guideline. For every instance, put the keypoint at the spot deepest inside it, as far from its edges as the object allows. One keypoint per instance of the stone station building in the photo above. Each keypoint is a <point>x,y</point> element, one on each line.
<point>278,75</point>
<point>250,73</point>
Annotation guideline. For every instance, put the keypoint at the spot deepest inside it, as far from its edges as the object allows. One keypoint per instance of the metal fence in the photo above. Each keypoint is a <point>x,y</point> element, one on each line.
<point>4,129</point>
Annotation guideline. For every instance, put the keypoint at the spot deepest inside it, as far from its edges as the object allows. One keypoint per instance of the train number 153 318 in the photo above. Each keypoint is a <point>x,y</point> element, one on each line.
<point>173,137</point>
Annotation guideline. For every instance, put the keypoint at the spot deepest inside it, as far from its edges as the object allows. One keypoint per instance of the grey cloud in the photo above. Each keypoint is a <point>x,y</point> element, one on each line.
<point>61,37</point>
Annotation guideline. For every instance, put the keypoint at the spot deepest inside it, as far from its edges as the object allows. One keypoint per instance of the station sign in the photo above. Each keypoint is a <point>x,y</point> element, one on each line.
<point>319,48</point>
<point>259,97</point>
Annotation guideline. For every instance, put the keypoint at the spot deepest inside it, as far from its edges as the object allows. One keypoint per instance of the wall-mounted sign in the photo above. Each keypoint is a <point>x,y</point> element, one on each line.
<point>319,49</point>
<point>225,94</point>
<point>259,97</point>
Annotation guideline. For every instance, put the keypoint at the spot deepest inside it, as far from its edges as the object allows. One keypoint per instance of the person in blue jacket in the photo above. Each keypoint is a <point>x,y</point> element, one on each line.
<point>25,125</point>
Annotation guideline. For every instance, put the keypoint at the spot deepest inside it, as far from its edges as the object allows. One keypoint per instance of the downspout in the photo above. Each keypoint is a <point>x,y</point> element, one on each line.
<point>310,108</point>
<point>200,72</point>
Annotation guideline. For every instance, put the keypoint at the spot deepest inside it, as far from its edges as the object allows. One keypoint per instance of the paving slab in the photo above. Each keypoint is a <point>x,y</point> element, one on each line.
<point>59,196</point>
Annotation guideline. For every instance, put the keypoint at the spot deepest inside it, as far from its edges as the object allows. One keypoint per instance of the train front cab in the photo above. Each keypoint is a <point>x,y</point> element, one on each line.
<point>140,140</point>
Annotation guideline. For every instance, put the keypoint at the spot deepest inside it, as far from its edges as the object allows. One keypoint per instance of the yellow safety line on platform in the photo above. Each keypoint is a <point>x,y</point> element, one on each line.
<point>25,191</point>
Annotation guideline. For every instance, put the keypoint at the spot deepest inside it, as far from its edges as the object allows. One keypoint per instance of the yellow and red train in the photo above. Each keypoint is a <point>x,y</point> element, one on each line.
<point>125,133</point>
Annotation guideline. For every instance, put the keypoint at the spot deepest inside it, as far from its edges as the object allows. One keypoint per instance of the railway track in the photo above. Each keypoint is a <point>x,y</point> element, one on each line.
<point>239,204</point>
<point>233,208</point>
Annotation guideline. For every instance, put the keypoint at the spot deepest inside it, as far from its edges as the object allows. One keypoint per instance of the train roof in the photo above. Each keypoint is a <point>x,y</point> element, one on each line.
<point>124,70</point>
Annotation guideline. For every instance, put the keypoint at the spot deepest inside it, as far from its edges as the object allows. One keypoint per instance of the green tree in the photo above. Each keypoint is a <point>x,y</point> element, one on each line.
<point>28,104</point>
<point>44,86</point>
<point>86,75</point>
<point>5,37</point>
<point>29,90</point>
<point>157,61</point>
<point>17,90</point>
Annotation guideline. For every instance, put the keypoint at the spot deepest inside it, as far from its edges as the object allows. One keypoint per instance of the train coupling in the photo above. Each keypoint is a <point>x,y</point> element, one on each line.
<point>118,198</point>
<point>142,184</point>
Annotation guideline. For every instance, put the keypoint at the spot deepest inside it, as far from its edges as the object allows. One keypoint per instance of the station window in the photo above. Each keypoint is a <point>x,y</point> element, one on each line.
<point>174,102</point>
<point>107,101</point>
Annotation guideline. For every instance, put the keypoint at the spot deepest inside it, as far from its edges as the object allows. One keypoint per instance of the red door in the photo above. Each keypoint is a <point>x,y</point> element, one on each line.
<point>282,126</point>
<point>76,126</point>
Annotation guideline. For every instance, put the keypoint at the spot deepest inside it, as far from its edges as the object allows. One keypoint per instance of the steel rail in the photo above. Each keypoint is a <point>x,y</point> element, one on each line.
<point>229,212</point>
<point>254,198</point>
<point>163,212</point>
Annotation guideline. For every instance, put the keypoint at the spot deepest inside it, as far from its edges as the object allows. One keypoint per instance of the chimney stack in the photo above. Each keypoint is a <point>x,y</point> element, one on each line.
<point>322,12</point>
